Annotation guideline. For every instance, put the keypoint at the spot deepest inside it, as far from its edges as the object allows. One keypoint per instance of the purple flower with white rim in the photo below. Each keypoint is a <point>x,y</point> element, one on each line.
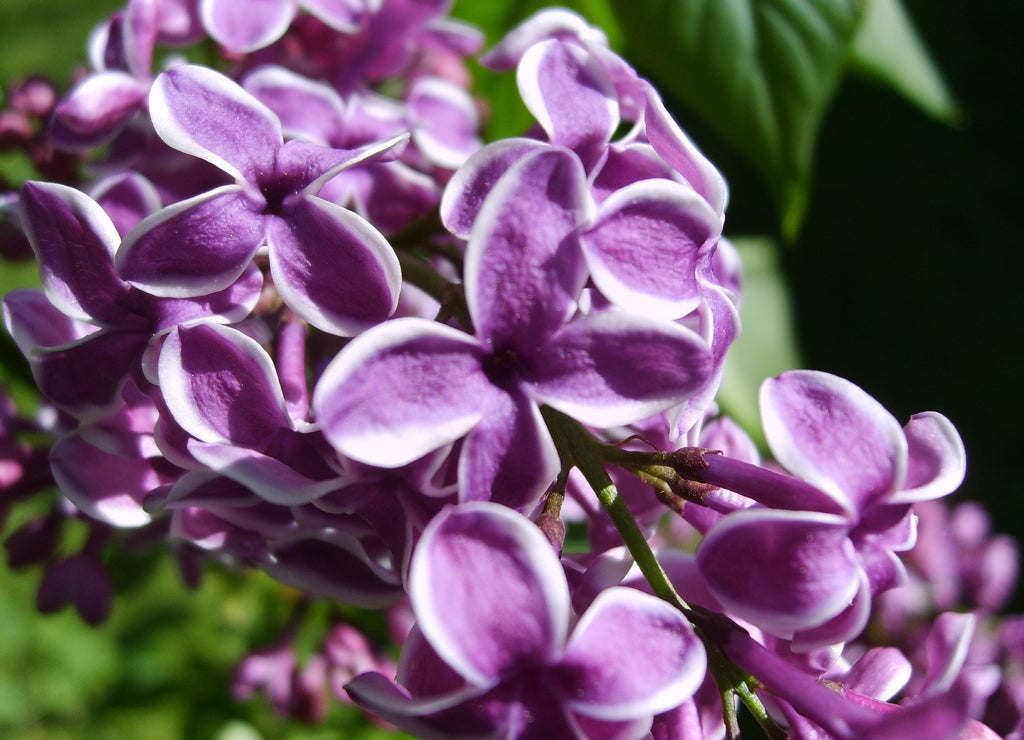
<point>492,654</point>
<point>246,27</point>
<point>410,386</point>
<point>121,52</point>
<point>331,266</point>
<point>808,568</point>
<point>76,244</point>
<point>222,388</point>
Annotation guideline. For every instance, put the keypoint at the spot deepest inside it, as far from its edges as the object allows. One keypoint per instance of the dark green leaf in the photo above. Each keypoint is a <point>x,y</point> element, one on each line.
<point>888,49</point>
<point>760,73</point>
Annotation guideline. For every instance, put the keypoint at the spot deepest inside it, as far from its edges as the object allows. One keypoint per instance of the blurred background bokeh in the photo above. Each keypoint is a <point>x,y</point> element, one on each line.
<point>904,278</point>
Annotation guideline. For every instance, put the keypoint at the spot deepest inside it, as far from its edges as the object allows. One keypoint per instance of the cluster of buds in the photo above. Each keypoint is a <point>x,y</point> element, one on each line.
<point>296,316</point>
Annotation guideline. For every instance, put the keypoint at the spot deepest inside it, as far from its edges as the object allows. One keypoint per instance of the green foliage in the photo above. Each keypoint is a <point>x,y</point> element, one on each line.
<point>888,49</point>
<point>760,72</point>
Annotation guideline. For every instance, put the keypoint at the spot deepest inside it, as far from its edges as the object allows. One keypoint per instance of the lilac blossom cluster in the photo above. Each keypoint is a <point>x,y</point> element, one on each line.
<point>296,316</point>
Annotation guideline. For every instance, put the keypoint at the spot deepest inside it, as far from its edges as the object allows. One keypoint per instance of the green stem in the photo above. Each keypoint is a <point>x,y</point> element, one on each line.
<point>578,448</point>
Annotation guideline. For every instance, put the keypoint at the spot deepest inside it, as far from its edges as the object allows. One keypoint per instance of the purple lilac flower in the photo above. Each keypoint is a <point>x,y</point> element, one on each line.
<point>410,386</point>
<point>806,564</point>
<point>86,337</point>
<point>329,265</point>
<point>492,652</point>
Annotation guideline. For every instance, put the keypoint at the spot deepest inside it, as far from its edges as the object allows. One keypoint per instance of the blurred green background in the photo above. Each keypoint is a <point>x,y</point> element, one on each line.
<point>904,278</point>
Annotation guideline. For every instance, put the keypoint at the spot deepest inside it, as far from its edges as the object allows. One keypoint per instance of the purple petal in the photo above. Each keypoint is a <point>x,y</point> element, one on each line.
<point>523,267</point>
<point>32,321</point>
<point>474,180</point>
<point>248,26</point>
<point>220,385</point>
<point>445,121</point>
<point>947,644</point>
<point>193,248</point>
<point>644,248</point>
<point>109,488</point>
<point>676,148</point>
<point>843,627</point>
<point>203,113</point>
<point>783,571</point>
<point>74,241</point>
<point>401,390</point>
<point>584,373</point>
<point>96,110</point>
<point>569,93</point>
<point>937,460</point>
<point>339,571</point>
<point>85,378</point>
<point>270,479</point>
<point>332,267</point>
<point>306,108</point>
<point>509,457</point>
<point>309,166</point>
<point>488,591</point>
<point>630,655</point>
<point>341,15</point>
<point>835,436</point>
<point>880,673</point>
<point>548,23</point>
<point>127,198</point>
<point>230,305</point>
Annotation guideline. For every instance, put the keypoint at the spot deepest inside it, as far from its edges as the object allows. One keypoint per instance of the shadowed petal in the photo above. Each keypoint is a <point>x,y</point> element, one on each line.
<point>106,487</point>
<point>676,148</point>
<point>938,460</point>
<point>32,321</point>
<point>96,109</point>
<point>630,655</point>
<point>835,436</point>
<point>570,94</point>
<point>473,181</point>
<point>401,390</point>
<point>193,248</point>
<point>306,108</point>
<point>488,591</point>
<point>332,267</point>
<point>220,385</point>
<point>583,371</point>
<point>74,241</point>
<point>644,249</point>
<point>509,457</point>
<point>85,378</point>
<point>783,571</point>
<point>269,478</point>
<point>247,26</point>
<point>203,113</point>
<point>524,269</point>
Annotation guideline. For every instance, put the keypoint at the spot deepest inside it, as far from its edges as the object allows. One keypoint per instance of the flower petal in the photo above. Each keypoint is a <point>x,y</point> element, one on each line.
<point>569,93</point>
<point>584,372</point>
<point>401,390</point>
<point>220,385</point>
<point>106,487</point>
<point>509,457</point>
<point>524,269</point>
<point>473,181</point>
<point>645,246</point>
<point>332,267</point>
<point>488,591</point>
<point>676,148</point>
<point>835,436</point>
<point>245,27</point>
<point>938,460</point>
<point>783,571</point>
<point>630,655</point>
<point>74,241</point>
<point>203,113</point>
<point>193,248</point>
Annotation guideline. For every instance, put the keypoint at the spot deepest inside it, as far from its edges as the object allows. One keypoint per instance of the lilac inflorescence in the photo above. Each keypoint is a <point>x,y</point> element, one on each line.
<point>296,316</point>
